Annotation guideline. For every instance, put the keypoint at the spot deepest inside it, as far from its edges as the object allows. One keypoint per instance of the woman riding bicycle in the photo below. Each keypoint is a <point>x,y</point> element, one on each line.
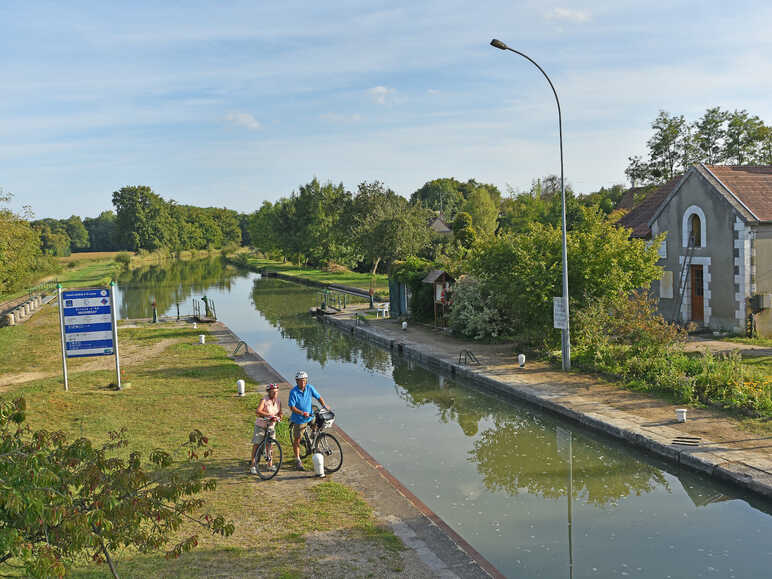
<point>268,415</point>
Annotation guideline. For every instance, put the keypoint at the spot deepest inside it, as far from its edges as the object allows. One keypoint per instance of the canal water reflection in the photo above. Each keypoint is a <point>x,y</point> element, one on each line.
<point>497,472</point>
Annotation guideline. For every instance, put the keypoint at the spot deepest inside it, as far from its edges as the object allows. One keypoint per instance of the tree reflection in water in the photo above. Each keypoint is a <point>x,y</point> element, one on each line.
<point>172,283</point>
<point>520,452</point>
<point>286,307</point>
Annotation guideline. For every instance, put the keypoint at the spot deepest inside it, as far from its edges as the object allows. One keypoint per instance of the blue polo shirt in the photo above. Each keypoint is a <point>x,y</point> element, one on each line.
<point>302,401</point>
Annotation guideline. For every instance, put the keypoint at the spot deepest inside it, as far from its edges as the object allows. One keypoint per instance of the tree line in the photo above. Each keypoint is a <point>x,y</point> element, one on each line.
<point>718,137</point>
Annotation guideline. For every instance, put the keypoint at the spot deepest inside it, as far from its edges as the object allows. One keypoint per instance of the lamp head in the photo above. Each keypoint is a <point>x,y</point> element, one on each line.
<point>498,44</point>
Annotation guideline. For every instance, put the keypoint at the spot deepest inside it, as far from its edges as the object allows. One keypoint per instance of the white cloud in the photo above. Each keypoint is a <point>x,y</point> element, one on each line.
<point>380,94</point>
<point>432,91</point>
<point>568,15</point>
<point>243,120</point>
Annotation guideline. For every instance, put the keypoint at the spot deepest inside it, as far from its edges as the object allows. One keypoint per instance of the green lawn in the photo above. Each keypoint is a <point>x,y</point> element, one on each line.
<point>173,384</point>
<point>350,278</point>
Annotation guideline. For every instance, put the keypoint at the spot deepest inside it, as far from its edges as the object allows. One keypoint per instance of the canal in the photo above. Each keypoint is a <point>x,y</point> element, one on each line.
<point>498,472</point>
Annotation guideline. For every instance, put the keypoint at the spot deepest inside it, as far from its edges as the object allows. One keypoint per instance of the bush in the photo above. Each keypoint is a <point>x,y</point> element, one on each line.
<point>626,337</point>
<point>473,313</point>
<point>124,258</point>
<point>411,272</point>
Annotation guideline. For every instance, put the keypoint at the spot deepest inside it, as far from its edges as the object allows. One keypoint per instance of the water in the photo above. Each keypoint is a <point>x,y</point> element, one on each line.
<point>497,472</point>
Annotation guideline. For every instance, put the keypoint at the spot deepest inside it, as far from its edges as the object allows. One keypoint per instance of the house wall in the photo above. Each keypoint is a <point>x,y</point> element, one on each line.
<point>716,255</point>
<point>762,264</point>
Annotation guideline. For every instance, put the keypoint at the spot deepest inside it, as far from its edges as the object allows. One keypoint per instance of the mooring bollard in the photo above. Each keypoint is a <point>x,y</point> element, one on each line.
<point>681,414</point>
<point>10,320</point>
<point>19,313</point>
<point>521,360</point>
<point>240,385</point>
<point>202,338</point>
<point>195,326</point>
<point>27,309</point>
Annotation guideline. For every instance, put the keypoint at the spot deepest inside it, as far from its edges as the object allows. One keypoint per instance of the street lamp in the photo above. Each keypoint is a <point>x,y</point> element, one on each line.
<point>566,332</point>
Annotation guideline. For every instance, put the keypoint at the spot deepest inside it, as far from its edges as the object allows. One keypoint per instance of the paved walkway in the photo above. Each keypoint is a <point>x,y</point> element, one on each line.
<point>436,550</point>
<point>723,449</point>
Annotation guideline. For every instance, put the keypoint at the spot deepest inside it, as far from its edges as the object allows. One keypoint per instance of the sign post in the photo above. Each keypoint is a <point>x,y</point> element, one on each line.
<point>88,325</point>
<point>61,328</point>
<point>559,314</point>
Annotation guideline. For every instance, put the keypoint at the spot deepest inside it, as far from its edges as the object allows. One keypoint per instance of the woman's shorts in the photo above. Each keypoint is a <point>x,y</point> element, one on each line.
<point>259,432</point>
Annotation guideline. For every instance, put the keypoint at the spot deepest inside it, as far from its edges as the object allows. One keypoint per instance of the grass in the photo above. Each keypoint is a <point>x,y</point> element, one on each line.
<point>173,384</point>
<point>350,278</point>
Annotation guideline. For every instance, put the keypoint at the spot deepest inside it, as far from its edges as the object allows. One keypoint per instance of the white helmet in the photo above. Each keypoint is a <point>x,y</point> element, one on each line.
<point>301,374</point>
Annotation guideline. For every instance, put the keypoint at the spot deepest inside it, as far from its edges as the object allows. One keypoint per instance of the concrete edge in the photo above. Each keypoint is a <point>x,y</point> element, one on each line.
<point>419,505</point>
<point>738,474</point>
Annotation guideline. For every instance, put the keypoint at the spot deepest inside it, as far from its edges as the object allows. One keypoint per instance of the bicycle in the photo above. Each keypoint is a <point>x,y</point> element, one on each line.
<point>322,442</point>
<point>263,457</point>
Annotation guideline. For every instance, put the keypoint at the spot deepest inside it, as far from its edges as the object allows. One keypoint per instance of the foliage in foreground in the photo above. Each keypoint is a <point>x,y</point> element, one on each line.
<point>625,336</point>
<point>61,500</point>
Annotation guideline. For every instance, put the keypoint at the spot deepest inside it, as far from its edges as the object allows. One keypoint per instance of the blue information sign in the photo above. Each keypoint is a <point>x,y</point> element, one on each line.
<point>88,323</point>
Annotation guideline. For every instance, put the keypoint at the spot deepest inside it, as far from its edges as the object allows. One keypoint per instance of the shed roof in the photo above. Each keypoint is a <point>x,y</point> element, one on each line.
<point>435,275</point>
<point>750,185</point>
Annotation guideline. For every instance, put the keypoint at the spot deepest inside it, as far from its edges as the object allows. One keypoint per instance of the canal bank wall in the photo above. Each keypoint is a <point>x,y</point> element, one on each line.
<point>443,551</point>
<point>738,458</point>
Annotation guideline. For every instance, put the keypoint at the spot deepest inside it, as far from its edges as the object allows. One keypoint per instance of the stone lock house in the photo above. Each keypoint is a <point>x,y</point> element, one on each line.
<point>717,254</point>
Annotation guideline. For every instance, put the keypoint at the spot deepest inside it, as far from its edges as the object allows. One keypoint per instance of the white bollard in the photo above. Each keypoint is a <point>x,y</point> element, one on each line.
<point>19,313</point>
<point>681,414</point>
<point>195,326</point>
<point>240,387</point>
<point>202,338</point>
<point>404,326</point>
<point>10,320</point>
<point>521,360</point>
<point>27,309</point>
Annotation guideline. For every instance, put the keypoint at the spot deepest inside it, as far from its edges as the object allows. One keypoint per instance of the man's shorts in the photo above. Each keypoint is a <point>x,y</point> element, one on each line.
<point>296,430</point>
<point>259,432</point>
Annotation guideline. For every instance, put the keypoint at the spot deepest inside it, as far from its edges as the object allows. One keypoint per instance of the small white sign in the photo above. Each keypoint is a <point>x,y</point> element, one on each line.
<point>560,320</point>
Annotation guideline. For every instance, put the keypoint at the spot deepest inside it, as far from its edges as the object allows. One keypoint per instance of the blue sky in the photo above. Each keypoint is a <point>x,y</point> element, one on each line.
<point>233,103</point>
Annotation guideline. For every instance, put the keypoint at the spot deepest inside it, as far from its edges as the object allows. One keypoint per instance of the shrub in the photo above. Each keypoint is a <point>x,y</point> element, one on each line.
<point>124,258</point>
<point>473,313</point>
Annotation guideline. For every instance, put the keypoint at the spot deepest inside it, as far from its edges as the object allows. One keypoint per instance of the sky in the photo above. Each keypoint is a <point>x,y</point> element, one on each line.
<point>235,103</point>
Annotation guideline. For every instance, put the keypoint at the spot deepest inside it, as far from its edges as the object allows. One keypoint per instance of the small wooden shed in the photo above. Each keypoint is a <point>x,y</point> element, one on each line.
<point>442,283</point>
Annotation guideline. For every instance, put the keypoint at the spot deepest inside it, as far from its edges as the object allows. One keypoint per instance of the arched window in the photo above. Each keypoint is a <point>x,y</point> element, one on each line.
<point>695,231</point>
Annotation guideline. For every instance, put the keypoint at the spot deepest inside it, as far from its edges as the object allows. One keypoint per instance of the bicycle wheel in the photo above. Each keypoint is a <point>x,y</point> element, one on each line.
<point>263,470</point>
<point>305,445</point>
<point>329,446</point>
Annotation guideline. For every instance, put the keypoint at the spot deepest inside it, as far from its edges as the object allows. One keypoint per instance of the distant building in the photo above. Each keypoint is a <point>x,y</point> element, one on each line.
<point>717,256</point>
<point>438,225</point>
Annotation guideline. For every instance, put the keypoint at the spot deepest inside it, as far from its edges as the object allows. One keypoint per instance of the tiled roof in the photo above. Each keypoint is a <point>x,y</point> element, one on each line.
<point>638,218</point>
<point>752,186</point>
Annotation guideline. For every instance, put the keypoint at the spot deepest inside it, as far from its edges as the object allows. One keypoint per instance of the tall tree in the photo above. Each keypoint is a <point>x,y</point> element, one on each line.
<point>19,248</point>
<point>710,134</point>
<point>666,145</point>
<point>483,211</point>
<point>102,231</point>
<point>743,134</point>
<point>77,233</point>
<point>144,219</point>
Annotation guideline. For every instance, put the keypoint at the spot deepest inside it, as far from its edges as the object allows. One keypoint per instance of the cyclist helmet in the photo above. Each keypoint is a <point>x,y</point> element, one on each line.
<point>301,375</point>
<point>272,387</point>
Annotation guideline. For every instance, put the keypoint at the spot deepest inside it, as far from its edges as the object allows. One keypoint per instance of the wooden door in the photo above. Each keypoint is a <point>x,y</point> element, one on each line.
<point>698,312</point>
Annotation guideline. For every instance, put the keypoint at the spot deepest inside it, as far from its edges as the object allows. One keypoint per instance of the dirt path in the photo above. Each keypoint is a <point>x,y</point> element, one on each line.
<point>722,347</point>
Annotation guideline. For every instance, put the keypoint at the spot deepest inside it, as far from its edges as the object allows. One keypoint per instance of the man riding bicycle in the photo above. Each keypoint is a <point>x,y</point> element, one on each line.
<point>300,399</point>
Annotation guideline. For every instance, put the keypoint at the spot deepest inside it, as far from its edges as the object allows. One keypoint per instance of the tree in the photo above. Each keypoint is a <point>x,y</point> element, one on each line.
<point>463,230</point>
<point>743,134</point>
<point>523,271</point>
<point>64,499</point>
<point>666,145</point>
<point>638,171</point>
<point>20,254</point>
<point>384,227</point>
<point>443,195</point>
<point>144,219</point>
<point>102,231</point>
<point>77,233</point>
<point>483,211</point>
<point>54,239</point>
<point>710,135</point>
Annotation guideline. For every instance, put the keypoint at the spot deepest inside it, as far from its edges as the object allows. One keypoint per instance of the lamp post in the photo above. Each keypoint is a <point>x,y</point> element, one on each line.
<point>566,332</point>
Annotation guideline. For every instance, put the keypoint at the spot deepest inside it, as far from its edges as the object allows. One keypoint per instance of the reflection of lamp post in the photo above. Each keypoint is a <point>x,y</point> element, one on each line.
<point>564,443</point>
<point>566,332</point>
<point>155,312</point>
